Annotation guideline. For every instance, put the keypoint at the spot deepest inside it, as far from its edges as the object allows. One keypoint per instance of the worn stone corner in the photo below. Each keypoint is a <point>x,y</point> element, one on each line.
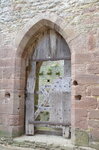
<point>81,138</point>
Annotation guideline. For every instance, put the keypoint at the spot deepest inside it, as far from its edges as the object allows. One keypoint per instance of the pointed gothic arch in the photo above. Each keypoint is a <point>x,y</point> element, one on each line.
<point>24,38</point>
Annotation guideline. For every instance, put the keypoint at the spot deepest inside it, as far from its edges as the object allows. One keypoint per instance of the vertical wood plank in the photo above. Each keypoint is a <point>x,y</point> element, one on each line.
<point>30,100</point>
<point>50,44</point>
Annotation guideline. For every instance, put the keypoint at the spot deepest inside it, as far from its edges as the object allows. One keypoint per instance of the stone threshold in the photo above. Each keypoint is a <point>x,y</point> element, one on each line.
<point>47,142</point>
<point>39,142</point>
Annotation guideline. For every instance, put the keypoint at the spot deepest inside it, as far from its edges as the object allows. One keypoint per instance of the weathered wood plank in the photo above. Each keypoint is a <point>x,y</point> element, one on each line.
<point>41,109</point>
<point>67,68</point>
<point>29,128</point>
<point>51,45</point>
<point>49,123</point>
<point>51,59</point>
<point>55,99</point>
<point>29,114</point>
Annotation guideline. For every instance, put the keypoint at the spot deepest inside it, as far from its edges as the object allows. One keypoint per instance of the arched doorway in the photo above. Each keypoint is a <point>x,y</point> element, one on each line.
<point>48,45</point>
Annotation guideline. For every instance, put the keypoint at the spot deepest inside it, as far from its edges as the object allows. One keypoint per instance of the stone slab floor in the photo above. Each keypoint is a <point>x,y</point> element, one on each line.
<point>14,148</point>
<point>40,142</point>
<point>48,139</point>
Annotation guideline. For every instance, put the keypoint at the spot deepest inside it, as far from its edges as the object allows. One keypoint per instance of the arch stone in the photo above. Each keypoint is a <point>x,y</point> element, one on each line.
<point>50,20</point>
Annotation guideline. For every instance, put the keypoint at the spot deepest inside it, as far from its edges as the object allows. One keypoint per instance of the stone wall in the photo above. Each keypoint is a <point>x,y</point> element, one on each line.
<point>14,14</point>
<point>82,35</point>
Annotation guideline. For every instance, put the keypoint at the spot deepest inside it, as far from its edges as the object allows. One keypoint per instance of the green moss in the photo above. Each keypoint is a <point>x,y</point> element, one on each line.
<point>81,138</point>
<point>41,73</point>
<point>16,134</point>
<point>8,134</point>
<point>95,145</point>
<point>5,134</point>
<point>58,73</point>
<point>44,116</point>
<point>49,72</point>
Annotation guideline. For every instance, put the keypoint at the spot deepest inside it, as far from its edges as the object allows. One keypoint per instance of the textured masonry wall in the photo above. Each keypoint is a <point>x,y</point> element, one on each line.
<point>82,20</point>
<point>14,14</point>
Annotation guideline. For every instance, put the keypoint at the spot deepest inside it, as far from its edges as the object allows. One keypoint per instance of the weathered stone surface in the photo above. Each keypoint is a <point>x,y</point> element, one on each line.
<point>94,114</point>
<point>95,134</point>
<point>95,145</point>
<point>21,144</point>
<point>81,118</point>
<point>94,124</point>
<point>82,138</point>
<point>77,22</point>
<point>93,68</point>
<point>87,103</point>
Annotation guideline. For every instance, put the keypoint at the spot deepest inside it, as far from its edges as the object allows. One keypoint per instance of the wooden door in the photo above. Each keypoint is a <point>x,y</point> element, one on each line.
<point>57,102</point>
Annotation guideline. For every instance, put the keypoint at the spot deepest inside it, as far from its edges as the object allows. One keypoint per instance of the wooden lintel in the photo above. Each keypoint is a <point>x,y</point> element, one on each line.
<point>52,59</point>
<point>49,123</point>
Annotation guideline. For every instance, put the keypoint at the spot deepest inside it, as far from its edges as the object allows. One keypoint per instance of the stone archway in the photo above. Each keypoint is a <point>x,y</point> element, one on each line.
<point>49,46</point>
<point>23,42</point>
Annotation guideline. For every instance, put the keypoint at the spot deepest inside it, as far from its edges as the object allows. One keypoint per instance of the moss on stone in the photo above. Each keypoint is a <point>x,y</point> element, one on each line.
<point>81,138</point>
<point>95,145</point>
<point>17,133</point>
<point>4,134</point>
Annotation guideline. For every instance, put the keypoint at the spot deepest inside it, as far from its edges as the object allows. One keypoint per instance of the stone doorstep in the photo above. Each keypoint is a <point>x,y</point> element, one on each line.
<point>9,147</point>
<point>13,148</point>
<point>47,142</point>
<point>85,148</point>
<point>39,142</point>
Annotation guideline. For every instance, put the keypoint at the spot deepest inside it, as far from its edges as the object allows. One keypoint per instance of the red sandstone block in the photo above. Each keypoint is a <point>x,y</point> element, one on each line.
<point>19,84</point>
<point>95,134</point>
<point>6,108</point>
<point>81,112</point>
<point>8,73</point>
<point>93,68</point>
<point>81,118</point>
<point>5,62</point>
<point>82,58</point>
<point>94,114</point>
<point>7,84</point>
<point>15,120</point>
<point>88,91</point>
<point>78,69</point>
<point>7,52</point>
<point>78,44</point>
<point>87,103</point>
<point>12,84</point>
<point>1,84</point>
<point>93,123</point>
<point>91,41</point>
<point>20,62</point>
<point>2,63</point>
<point>82,123</point>
<point>87,79</point>
<point>98,104</point>
<point>2,94</point>
<point>0,119</point>
<point>15,102</point>
<point>1,73</point>
<point>92,91</point>
<point>13,73</point>
<point>96,56</point>
<point>19,72</point>
<point>19,99</point>
<point>79,90</point>
<point>95,91</point>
